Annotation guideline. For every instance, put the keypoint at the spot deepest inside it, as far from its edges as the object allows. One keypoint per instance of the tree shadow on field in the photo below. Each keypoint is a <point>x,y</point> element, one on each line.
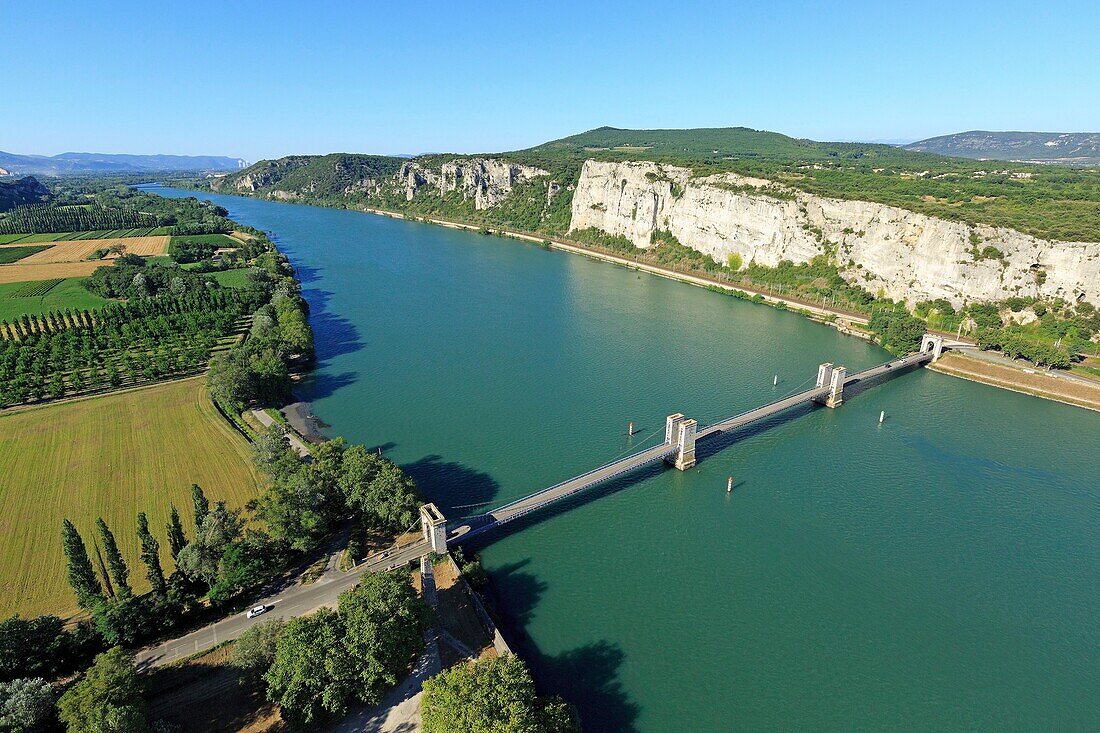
<point>457,489</point>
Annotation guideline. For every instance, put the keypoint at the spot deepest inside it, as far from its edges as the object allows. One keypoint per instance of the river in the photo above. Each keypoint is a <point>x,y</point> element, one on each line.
<point>940,570</point>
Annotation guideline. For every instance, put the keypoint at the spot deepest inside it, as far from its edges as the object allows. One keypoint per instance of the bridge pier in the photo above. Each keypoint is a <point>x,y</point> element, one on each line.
<point>932,343</point>
<point>434,526</point>
<point>680,431</point>
<point>832,377</point>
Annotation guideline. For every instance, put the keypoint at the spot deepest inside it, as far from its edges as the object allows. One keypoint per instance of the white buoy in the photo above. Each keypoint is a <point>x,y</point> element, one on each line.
<point>729,485</point>
<point>630,428</point>
<point>775,380</point>
<point>881,417</point>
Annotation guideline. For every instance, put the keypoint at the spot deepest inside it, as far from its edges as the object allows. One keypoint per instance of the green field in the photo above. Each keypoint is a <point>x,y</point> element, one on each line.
<point>17,299</point>
<point>9,255</point>
<point>11,238</point>
<point>110,456</point>
<point>232,278</point>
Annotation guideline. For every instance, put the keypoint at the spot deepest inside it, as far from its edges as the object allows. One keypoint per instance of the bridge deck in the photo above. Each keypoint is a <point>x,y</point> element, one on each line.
<point>516,509</point>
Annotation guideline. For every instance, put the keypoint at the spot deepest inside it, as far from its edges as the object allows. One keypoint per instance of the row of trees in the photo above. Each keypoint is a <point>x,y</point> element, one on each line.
<point>42,218</point>
<point>69,353</point>
<point>219,561</point>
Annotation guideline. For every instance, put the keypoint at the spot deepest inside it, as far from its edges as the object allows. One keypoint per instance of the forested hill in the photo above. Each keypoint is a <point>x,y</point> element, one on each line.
<point>22,192</point>
<point>75,163</point>
<point>717,145</point>
<point>1066,148</point>
<point>1049,201</point>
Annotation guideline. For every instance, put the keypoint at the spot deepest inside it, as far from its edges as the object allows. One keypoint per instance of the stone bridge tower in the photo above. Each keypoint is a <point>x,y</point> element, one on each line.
<point>434,526</point>
<point>681,433</point>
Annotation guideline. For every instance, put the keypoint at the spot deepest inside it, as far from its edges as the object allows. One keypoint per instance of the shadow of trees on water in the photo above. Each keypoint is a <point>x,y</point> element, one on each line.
<point>586,677</point>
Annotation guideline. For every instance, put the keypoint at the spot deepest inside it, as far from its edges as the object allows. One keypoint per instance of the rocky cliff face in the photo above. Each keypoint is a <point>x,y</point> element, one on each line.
<point>909,256</point>
<point>22,192</point>
<point>488,181</point>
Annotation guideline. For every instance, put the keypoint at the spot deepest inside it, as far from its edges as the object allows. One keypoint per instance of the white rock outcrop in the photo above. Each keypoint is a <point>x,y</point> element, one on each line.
<point>909,256</point>
<point>488,181</point>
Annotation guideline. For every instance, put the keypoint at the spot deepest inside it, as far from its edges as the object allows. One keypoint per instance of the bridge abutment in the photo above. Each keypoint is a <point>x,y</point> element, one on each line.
<point>434,526</point>
<point>932,343</point>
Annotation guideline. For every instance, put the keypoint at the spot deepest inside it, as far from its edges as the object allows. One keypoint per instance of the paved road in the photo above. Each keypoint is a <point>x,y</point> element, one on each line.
<point>295,442</point>
<point>995,358</point>
<point>294,601</point>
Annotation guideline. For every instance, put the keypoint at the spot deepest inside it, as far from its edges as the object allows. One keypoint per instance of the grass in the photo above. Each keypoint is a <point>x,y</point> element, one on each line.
<point>11,238</point>
<point>218,240</point>
<point>34,298</point>
<point>232,278</point>
<point>109,456</point>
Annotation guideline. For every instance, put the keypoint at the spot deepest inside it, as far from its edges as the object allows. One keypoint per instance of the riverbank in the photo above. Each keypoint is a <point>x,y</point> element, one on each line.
<point>843,320</point>
<point>1025,381</point>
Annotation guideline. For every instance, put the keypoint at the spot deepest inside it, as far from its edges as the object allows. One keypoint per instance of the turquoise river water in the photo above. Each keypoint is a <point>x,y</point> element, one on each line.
<point>938,571</point>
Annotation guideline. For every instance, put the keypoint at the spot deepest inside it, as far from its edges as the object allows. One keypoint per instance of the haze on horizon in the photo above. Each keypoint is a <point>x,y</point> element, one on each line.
<point>261,80</point>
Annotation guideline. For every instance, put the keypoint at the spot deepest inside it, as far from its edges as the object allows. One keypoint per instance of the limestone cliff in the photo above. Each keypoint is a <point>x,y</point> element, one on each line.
<point>488,181</point>
<point>909,256</point>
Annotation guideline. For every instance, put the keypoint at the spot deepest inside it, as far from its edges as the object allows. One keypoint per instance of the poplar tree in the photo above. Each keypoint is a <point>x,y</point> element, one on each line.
<point>103,571</point>
<point>119,572</point>
<point>82,577</point>
<point>150,555</point>
<point>202,504</point>
<point>177,540</point>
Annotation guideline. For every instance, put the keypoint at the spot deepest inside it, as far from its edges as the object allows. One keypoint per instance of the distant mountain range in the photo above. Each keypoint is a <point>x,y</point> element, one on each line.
<point>69,163</point>
<point>1066,148</point>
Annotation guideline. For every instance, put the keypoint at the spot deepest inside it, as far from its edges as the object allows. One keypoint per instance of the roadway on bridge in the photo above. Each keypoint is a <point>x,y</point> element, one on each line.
<point>481,523</point>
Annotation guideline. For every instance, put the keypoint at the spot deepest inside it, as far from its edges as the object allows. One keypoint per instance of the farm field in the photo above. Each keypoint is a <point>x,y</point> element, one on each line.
<point>10,254</point>
<point>237,278</point>
<point>36,298</point>
<point>80,250</point>
<point>20,272</point>
<point>111,456</point>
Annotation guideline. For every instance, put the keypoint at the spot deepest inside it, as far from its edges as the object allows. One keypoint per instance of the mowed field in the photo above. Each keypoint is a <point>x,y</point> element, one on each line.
<point>77,251</point>
<point>22,272</point>
<point>111,456</point>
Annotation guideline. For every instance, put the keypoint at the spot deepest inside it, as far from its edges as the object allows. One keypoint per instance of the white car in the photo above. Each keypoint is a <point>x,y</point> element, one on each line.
<point>256,611</point>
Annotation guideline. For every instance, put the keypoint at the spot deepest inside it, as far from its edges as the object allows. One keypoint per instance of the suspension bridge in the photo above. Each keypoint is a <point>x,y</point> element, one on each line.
<point>678,448</point>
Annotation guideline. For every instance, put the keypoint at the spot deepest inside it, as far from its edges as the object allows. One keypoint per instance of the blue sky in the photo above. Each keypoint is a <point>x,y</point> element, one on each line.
<point>263,79</point>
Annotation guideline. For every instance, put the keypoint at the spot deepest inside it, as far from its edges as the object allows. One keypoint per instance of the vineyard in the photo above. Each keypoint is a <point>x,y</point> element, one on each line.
<point>63,353</point>
<point>14,254</point>
<point>35,290</point>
